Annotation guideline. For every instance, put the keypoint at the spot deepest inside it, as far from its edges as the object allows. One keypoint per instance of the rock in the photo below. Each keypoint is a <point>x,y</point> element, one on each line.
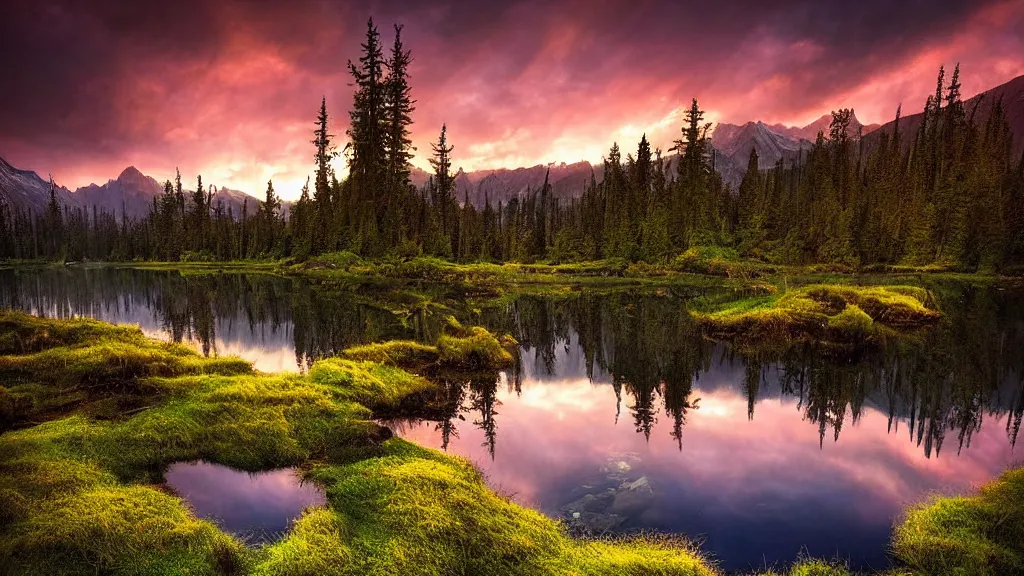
<point>641,483</point>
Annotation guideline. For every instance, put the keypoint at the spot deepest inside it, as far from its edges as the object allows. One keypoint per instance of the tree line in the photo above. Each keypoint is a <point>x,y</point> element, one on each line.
<point>949,193</point>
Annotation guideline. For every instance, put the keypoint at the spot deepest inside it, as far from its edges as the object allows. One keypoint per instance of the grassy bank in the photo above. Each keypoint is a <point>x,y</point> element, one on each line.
<point>694,273</point>
<point>699,260</point>
<point>95,414</point>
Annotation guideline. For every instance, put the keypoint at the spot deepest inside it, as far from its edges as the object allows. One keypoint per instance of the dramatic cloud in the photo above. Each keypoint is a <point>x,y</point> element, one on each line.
<point>230,88</point>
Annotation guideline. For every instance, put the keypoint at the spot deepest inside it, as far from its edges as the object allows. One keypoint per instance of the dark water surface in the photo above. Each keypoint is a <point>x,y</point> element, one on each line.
<point>257,507</point>
<point>620,416</point>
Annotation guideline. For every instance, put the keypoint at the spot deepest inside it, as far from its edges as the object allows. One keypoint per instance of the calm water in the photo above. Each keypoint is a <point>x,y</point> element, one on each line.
<point>257,507</point>
<point>620,412</point>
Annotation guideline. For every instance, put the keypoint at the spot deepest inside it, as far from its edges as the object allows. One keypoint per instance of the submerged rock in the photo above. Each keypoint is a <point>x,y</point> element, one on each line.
<point>606,506</point>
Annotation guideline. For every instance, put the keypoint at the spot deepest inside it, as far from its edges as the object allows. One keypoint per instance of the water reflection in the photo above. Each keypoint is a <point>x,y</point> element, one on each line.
<point>619,410</point>
<point>257,507</point>
<point>278,323</point>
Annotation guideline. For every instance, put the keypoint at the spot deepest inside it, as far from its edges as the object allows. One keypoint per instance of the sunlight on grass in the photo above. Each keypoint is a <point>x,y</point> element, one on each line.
<point>83,495</point>
<point>822,312</point>
<point>982,534</point>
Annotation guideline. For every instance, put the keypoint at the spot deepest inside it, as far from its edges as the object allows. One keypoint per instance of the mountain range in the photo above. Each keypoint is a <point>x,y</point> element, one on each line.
<point>132,192</point>
<point>773,142</point>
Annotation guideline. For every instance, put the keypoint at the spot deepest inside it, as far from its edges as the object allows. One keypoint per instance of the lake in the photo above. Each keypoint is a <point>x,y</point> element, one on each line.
<point>620,416</point>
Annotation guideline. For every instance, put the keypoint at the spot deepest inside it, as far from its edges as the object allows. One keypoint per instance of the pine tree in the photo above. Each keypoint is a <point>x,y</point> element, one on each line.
<point>302,214</point>
<point>367,134</point>
<point>166,217</point>
<point>655,239</point>
<point>750,209</point>
<point>398,110</point>
<point>54,223</point>
<point>199,221</point>
<point>323,208</point>
<point>179,196</point>
<point>691,218</point>
<point>269,220</point>
<point>444,183</point>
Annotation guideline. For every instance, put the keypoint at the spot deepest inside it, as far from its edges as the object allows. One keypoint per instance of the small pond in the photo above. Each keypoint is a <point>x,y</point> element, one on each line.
<point>257,507</point>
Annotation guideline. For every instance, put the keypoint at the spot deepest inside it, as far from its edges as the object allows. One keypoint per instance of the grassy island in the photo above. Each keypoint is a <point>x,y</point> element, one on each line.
<point>94,414</point>
<point>822,312</point>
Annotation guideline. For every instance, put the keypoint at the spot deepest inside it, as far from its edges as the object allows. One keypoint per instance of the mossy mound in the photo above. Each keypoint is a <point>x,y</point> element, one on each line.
<point>372,384</point>
<point>981,534</point>
<point>823,312</point>
<point>396,352</point>
<point>717,261</point>
<point>416,511</point>
<point>119,529</point>
<point>458,348</point>
<point>474,349</point>
<point>53,367</point>
<point>21,333</point>
<point>81,495</point>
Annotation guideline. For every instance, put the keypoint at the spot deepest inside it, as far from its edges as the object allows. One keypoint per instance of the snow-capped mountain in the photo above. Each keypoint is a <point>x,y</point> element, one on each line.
<point>131,193</point>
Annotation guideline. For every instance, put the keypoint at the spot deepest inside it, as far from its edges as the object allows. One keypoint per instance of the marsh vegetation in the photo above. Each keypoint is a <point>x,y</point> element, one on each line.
<point>97,413</point>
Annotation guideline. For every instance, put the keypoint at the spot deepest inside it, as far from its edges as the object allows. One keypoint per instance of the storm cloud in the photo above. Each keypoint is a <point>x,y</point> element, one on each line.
<point>230,88</point>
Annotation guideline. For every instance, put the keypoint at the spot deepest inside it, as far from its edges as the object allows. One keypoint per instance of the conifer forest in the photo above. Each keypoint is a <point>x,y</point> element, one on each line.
<point>948,191</point>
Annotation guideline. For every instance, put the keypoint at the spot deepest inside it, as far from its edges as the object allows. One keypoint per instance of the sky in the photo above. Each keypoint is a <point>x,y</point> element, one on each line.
<point>230,88</point>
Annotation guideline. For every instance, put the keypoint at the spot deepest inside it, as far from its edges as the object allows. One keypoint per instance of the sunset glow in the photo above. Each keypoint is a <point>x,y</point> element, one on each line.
<point>230,92</point>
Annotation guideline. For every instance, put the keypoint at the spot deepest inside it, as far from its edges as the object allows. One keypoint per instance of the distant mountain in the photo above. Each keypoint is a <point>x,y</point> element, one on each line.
<point>503,184</point>
<point>810,132</point>
<point>733,144</point>
<point>236,199</point>
<point>132,193</point>
<point>25,189</point>
<point>731,141</point>
<point>773,143</point>
<point>981,105</point>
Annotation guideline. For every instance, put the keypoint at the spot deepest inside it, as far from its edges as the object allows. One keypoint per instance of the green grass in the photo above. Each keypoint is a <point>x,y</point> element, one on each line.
<point>374,384</point>
<point>718,261</point>
<point>396,352</point>
<point>24,334</point>
<point>822,312</point>
<point>53,367</point>
<point>83,495</point>
<point>416,511</point>
<point>458,347</point>
<point>980,535</point>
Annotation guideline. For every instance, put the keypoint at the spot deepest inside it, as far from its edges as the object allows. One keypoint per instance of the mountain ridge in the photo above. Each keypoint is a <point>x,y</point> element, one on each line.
<point>131,193</point>
<point>981,105</point>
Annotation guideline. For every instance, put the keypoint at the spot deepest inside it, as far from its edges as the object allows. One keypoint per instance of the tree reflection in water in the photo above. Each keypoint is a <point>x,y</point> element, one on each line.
<point>936,387</point>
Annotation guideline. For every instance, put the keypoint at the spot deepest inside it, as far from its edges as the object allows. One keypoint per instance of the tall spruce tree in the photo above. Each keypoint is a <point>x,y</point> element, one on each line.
<point>367,133</point>
<point>444,183</point>
<point>323,208</point>
<point>399,107</point>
